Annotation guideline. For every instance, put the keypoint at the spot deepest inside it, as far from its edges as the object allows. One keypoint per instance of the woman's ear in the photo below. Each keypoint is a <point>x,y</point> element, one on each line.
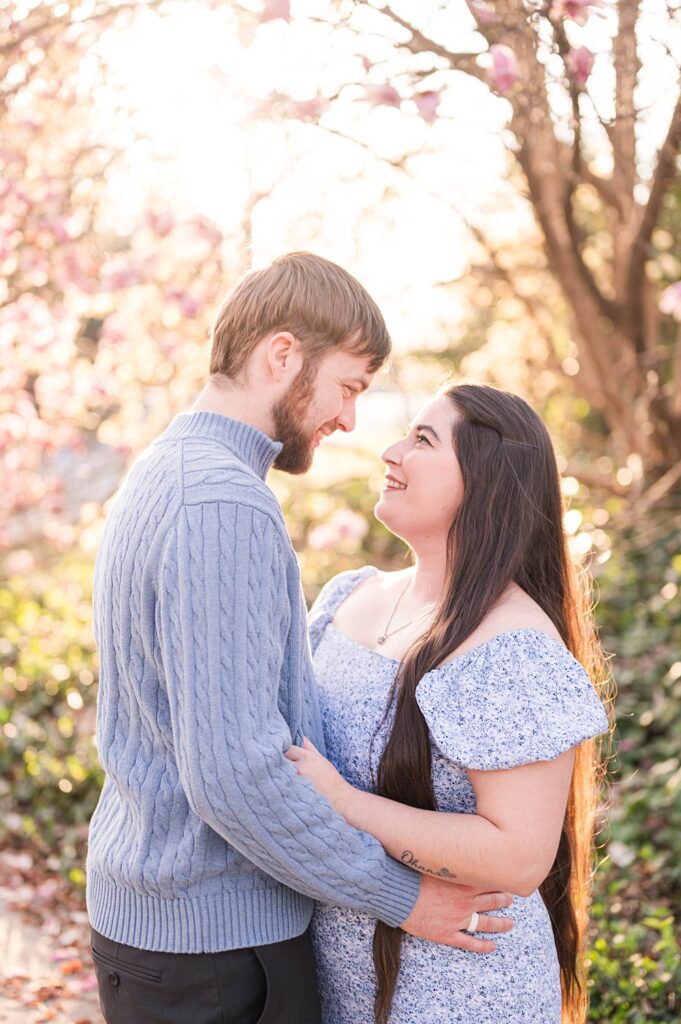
<point>284,357</point>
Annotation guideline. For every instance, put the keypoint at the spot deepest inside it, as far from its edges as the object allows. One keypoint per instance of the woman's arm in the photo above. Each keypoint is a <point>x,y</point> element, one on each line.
<point>510,843</point>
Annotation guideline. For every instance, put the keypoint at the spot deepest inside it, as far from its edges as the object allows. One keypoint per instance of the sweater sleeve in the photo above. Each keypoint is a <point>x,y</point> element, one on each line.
<point>223,634</point>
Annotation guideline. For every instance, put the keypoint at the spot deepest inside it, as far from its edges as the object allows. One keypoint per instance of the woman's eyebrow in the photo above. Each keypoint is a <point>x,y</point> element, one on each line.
<point>429,430</point>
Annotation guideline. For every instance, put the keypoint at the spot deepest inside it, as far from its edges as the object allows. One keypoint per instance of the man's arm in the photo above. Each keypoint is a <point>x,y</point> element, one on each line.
<point>223,634</point>
<point>510,842</point>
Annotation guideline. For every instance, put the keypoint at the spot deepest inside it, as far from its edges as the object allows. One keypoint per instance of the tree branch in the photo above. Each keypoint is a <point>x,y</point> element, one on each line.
<point>421,43</point>
<point>662,178</point>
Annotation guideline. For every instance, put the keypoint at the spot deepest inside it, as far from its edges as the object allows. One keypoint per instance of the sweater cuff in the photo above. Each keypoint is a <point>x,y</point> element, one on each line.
<point>395,901</point>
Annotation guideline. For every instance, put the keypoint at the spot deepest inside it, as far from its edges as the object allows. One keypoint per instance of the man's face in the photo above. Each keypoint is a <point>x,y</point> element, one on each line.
<point>321,399</point>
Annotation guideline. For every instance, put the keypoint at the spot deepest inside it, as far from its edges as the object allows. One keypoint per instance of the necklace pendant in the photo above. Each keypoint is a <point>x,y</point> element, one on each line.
<point>381,639</point>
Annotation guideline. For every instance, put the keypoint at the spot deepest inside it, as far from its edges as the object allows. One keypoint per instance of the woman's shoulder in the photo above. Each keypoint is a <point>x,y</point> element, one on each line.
<point>517,620</point>
<point>518,695</point>
<point>343,583</point>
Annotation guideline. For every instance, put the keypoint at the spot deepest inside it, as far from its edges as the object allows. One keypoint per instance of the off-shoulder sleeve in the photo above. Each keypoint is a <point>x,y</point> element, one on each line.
<point>520,697</point>
<point>330,597</point>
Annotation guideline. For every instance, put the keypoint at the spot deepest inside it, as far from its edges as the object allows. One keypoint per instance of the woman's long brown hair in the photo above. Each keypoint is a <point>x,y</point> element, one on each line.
<point>508,529</point>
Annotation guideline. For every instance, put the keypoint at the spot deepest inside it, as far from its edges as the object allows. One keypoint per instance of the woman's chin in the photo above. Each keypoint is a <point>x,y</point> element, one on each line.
<point>386,515</point>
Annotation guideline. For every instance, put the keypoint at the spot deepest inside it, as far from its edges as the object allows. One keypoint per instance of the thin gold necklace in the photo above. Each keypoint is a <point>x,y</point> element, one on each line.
<point>385,634</point>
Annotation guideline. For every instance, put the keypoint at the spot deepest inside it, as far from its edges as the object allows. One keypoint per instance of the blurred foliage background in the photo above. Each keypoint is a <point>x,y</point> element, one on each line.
<point>504,179</point>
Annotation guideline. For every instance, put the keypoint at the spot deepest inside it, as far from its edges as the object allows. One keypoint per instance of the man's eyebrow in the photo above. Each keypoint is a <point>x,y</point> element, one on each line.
<point>360,383</point>
<point>427,429</point>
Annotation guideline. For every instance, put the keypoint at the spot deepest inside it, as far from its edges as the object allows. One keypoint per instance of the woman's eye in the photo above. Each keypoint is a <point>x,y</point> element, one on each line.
<point>422,437</point>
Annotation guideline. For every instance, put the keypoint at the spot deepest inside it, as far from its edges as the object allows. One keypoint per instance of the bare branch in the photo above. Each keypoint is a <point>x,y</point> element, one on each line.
<point>627,67</point>
<point>604,186</point>
<point>54,21</point>
<point>664,174</point>
<point>657,491</point>
<point>421,43</point>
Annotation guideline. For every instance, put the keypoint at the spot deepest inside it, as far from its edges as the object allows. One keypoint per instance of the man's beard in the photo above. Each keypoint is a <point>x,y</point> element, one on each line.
<point>289,414</point>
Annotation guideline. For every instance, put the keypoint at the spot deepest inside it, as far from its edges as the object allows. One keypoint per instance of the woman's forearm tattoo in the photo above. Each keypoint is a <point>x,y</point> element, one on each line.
<point>410,860</point>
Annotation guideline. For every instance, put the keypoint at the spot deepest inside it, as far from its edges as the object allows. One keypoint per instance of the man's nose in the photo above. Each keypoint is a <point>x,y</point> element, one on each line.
<point>346,420</point>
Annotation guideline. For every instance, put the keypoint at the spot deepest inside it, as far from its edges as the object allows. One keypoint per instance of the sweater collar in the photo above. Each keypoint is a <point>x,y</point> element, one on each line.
<point>252,446</point>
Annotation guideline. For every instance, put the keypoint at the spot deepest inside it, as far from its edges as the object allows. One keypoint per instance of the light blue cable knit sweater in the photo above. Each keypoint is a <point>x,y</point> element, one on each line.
<point>205,838</point>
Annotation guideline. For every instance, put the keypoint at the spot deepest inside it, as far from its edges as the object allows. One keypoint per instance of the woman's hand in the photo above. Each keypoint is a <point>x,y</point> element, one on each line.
<point>326,780</point>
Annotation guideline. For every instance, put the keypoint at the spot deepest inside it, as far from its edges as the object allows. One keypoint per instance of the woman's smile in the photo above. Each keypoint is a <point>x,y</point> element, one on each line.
<point>392,484</point>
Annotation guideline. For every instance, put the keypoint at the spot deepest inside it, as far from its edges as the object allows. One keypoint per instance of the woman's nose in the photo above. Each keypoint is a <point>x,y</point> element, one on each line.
<point>392,454</point>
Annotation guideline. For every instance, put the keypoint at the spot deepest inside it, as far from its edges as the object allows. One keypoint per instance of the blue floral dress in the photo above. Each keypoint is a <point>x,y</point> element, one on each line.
<point>517,698</point>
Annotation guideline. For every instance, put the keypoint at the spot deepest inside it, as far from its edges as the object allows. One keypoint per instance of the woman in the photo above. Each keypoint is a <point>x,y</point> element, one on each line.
<point>455,709</point>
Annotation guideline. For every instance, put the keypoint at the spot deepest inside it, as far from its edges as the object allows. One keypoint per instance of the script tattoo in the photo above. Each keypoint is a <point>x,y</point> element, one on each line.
<point>410,860</point>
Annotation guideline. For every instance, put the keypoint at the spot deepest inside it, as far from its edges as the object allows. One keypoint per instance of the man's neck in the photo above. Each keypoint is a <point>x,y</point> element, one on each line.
<point>242,404</point>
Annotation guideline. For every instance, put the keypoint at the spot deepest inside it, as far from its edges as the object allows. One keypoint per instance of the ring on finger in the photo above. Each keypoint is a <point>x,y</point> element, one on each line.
<point>473,923</point>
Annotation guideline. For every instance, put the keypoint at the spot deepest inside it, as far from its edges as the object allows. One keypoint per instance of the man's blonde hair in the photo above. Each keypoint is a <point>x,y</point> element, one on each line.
<point>317,301</point>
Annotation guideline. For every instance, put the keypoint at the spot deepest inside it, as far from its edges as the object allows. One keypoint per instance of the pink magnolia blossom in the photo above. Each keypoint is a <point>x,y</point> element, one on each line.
<point>483,12</point>
<point>345,528</point>
<point>504,71</point>
<point>322,538</point>
<point>579,64</point>
<point>205,229</point>
<point>60,228</point>
<point>188,304</point>
<point>161,222</point>
<point>111,332</point>
<point>670,301</point>
<point>76,269</point>
<point>19,563</point>
<point>273,9</point>
<point>382,95</point>
<point>307,110</point>
<point>427,104</point>
<point>577,10</point>
<point>350,525</point>
<point>118,273</point>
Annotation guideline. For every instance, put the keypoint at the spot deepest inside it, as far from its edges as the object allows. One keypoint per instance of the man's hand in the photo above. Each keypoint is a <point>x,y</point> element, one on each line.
<point>444,909</point>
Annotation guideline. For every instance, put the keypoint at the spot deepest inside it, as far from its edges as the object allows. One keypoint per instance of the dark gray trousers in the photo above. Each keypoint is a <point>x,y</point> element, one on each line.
<point>273,984</point>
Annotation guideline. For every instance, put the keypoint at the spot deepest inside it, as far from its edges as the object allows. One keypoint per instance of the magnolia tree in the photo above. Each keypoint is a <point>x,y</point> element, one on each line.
<point>104,296</point>
<point>594,139</point>
<point>108,282</point>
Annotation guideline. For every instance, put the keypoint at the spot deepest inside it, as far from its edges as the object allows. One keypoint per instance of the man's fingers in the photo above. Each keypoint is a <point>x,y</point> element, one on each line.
<point>491,901</point>
<point>494,924</point>
<point>463,941</point>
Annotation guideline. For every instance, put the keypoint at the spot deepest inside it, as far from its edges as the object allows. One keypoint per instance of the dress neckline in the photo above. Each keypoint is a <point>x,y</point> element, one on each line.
<point>370,570</point>
<point>459,658</point>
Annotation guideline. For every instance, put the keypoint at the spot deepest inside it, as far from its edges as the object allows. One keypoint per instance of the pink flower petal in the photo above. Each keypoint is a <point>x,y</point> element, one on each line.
<point>383,95</point>
<point>427,104</point>
<point>577,10</point>
<point>504,71</point>
<point>273,9</point>
<point>579,63</point>
<point>308,110</point>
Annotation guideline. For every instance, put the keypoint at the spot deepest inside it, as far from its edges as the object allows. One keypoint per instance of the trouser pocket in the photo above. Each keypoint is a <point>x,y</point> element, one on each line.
<point>138,986</point>
<point>120,964</point>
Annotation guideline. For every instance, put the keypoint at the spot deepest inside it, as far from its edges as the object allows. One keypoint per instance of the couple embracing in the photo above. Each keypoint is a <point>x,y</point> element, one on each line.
<point>386,818</point>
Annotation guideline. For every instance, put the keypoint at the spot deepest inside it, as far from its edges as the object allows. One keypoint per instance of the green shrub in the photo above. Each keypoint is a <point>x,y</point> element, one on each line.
<point>50,776</point>
<point>634,963</point>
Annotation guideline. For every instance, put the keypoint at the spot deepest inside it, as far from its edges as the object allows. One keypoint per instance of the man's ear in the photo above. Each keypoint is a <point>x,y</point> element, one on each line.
<point>284,357</point>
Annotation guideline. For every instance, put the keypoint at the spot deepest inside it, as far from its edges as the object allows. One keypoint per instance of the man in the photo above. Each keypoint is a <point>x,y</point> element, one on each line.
<point>206,848</point>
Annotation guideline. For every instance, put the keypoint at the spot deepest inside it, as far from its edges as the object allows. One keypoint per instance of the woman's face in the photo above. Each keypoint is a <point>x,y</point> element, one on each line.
<point>423,487</point>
